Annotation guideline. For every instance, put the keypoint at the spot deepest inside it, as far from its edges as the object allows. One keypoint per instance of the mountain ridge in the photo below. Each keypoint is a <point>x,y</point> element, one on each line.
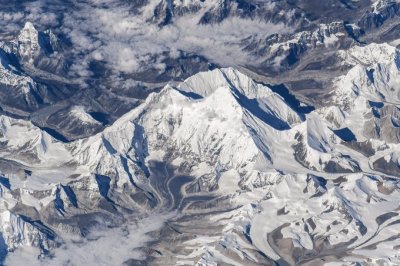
<point>187,127</point>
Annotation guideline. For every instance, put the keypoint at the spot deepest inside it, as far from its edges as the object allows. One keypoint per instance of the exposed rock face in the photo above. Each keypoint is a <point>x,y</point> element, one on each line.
<point>187,160</point>
<point>382,10</point>
<point>29,45</point>
<point>179,150</point>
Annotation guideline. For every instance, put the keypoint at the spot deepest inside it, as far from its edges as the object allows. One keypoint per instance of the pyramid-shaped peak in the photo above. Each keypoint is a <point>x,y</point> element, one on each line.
<point>205,83</point>
<point>29,32</point>
<point>29,26</point>
<point>28,41</point>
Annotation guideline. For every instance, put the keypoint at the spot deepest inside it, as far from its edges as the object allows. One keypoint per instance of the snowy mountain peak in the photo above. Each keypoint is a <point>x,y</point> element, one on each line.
<point>80,113</point>
<point>205,83</point>
<point>257,99</point>
<point>371,54</point>
<point>29,34</point>
<point>28,41</point>
<point>375,75</point>
<point>235,137</point>
<point>29,28</point>
<point>369,93</point>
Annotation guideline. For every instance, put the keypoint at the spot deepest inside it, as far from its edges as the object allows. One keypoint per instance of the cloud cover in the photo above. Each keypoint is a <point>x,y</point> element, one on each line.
<point>103,246</point>
<point>124,37</point>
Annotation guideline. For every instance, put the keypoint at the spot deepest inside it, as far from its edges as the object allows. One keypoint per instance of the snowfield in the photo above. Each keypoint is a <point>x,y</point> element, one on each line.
<point>299,190</point>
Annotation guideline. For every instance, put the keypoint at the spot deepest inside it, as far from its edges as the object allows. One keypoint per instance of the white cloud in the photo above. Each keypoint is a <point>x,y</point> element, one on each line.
<point>103,246</point>
<point>121,35</point>
<point>128,40</point>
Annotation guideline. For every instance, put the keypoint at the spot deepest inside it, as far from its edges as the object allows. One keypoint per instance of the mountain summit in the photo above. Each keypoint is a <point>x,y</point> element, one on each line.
<point>222,140</point>
<point>220,132</point>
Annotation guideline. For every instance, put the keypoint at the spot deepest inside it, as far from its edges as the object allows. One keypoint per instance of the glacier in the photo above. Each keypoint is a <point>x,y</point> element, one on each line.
<point>272,140</point>
<point>225,153</point>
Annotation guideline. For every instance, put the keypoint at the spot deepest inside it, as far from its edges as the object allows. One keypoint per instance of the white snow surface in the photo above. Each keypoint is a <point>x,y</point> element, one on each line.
<point>229,128</point>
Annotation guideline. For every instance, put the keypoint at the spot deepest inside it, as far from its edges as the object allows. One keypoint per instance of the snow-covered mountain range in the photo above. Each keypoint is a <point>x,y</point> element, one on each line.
<point>223,152</point>
<point>218,132</point>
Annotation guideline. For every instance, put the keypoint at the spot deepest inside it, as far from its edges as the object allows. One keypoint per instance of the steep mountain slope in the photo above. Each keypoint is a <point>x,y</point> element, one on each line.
<point>22,92</point>
<point>203,132</point>
<point>107,57</point>
<point>228,169</point>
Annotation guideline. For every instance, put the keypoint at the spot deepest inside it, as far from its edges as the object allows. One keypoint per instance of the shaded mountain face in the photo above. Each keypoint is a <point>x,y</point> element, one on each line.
<point>216,132</point>
<point>124,50</point>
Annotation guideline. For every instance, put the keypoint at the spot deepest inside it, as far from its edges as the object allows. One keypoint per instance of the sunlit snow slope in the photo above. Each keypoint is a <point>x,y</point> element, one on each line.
<point>223,169</point>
